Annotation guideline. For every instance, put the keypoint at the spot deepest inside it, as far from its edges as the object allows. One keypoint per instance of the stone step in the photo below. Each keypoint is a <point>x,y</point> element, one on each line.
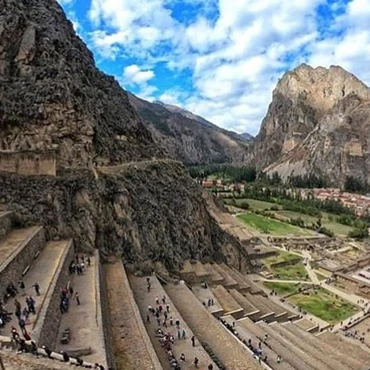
<point>239,278</point>
<point>131,345</point>
<point>228,282</point>
<point>338,341</point>
<point>249,309</point>
<point>254,287</point>
<point>86,321</point>
<point>227,302</point>
<point>291,350</point>
<point>5,222</point>
<point>306,325</point>
<point>260,303</point>
<point>46,270</point>
<point>246,335</point>
<point>330,363</point>
<point>144,299</point>
<point>230,352</point>
<point>321,346</point>
<point>18,249</point>
<point>216,277</point>
<point>202,274</point>
<point>280,313</point>
<point>51,272</point>
<point>279,348</point>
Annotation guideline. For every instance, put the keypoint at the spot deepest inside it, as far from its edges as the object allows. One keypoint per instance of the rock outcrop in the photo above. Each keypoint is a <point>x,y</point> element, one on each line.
<point>318,122</point>
<point>113,189</point>
<point>189,138</point>
<point>53,96</point>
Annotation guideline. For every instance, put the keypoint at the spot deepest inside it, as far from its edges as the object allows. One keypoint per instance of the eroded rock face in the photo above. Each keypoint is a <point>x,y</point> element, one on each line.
<point>318,121</point>
<point>190,138</point>
<point>52,95</point>
<point>149,211</point>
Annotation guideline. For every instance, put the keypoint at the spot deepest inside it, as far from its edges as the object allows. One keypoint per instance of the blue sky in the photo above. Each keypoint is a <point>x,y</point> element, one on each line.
<point>220,59</point>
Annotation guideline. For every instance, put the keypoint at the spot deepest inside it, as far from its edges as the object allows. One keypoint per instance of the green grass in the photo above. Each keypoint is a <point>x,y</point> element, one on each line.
<point>290,272</point>
<point>255,205</point>
<point>335,227</point>
<point>320,276</point>
<point>282,288</point>
<point>282,256</point>
<point>295,271</point>
<point>324,305</point>
<point>270,226</point>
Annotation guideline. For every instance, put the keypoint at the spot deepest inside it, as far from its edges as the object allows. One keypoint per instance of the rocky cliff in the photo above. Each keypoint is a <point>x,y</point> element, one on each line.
<point>318,122</point>
<point>110,192</point>
<point>188,137</point>
<point>53,96</point>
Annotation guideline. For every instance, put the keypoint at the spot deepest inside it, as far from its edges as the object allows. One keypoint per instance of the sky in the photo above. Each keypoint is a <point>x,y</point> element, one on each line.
<point>220,59</point>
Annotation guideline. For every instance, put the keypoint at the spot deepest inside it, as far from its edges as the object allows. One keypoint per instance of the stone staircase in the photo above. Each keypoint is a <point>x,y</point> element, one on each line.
<point>26,256</point>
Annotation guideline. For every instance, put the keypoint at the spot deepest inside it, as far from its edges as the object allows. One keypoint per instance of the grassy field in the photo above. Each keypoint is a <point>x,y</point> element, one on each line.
<point>324,305</point>
<point>282,288</point>
<point>290,272</point>
<point>282,256</point>
<point>255,205</point>
<point>267,225</point>
<point>335,227</point>
<point>295,271</point>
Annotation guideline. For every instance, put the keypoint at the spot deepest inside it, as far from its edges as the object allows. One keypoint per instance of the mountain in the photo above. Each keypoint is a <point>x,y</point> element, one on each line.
<point>190,138</point>
<point>246,136</point>
<point>115,188</point>
<point>318,122</point>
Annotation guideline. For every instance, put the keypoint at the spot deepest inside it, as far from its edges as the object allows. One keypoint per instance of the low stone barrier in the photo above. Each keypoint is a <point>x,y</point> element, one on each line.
<point>11,270</point>
<point>102,309</point>
<point>47,324</point>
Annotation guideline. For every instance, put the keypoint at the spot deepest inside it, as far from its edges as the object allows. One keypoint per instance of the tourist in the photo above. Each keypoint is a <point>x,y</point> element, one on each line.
<point>177,322</point>
<point>278,360</point>
<point>17,305</point>
<point>158,321</point>
<point>47,351</point>
<point>77,298</point>
<point>156,300</point>
<point>31,304</point>
<point>210,367</point>
<point>37,288</point>
<point>88,261</point>
<point>171,320</point>
<point>182,357</point>
<point>148,319</point>
<point>196,362</point>
<point>79,361</point>
<point>34,349</point>
<point>22,325</point>
<point>168,308</point>
<point>22,286</point>
<point>164,300</point>
<point>183,333</point>
<point>193,340</point>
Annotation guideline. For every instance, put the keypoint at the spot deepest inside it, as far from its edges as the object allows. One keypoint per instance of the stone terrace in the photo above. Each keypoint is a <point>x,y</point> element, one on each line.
<point>144,299</point>
<point>84,320</point>
<point>131,344</point>
<point>208,330</point>
<point>228,303</point>
<point>43,271</point>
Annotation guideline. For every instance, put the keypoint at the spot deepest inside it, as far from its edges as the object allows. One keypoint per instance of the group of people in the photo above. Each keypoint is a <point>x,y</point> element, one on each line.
<point>78,264</point>
<point>258,352</point>
<point>162,314</point>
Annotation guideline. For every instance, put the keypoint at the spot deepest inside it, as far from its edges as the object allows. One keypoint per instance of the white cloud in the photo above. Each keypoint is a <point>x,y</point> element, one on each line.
<point>236,56</point>
<point>134,75</point>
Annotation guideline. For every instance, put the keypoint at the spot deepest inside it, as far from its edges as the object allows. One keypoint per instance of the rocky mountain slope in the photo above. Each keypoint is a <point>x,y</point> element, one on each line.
<point>52,95</point>
<point>188,137</point>
<point>318,122</point>
<point>114,190</point>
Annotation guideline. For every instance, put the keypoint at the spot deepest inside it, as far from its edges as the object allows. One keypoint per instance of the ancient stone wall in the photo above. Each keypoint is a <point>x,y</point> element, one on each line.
<point>47,324</point>
<point>28,162</point>
<point>11,270</point>
<point>102,310</point>
<point>5,223</point>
